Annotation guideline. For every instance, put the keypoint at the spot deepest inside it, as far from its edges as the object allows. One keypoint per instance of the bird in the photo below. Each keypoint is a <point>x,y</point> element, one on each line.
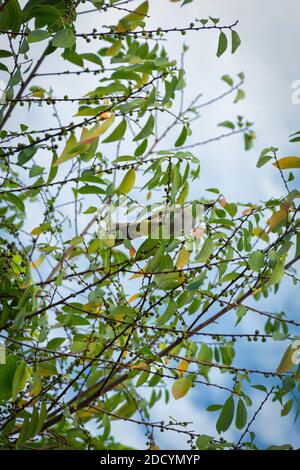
<point>164,223</point>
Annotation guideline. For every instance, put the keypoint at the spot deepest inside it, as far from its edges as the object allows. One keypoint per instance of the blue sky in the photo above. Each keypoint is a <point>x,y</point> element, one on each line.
<point>269,56</point>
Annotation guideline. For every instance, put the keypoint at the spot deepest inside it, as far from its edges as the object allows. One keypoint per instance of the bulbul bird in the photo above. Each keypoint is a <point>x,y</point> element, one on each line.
<point>165,223</point>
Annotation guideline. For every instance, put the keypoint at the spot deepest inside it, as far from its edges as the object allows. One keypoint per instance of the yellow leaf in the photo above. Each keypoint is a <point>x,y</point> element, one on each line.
<point>97,130</point>
<point>35,264</point>
<point>67,153</point>
<point>36,386</point>
<point>92,308</point>
<point>38,93</point>
<point>136,275</point>
<point>286,205</point>
<point>256,291</point>
<point>287,162</point>
<point>105,115</point>
<point>288,360</point>
<point>144,80</point>
<point>248,210</point>
<point>133,297</point>
<point>134,59</point>
<point>182,366</point>
<point>260,233</point>
<point>99,310</point>
<point>183,258</point>
<point>181,387</point>
<point>93,246</point>
<point>110,241</point>
<point>141,365</point>
<point>128,182</point>
<point>40,229</point>
<point>275,219</point>
<point>131,21</point>
<point>87,413</point>
<point>181,278</point>
<point>183,194</point>
<point>114,49</point>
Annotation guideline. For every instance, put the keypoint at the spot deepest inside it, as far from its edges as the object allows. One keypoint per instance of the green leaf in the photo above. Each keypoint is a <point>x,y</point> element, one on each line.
<point>142,378</point>
<point>240,96</point>
<point>227,124</point>
<point>240,313</point>
<point>117,133</point>
<point>94,58</point>
<point>4,68</point>
<point>215,407</point>
<point>127,182</point>
<point>287,407</point>
<point>264,157</point>
<point>126,410</point>
<point>235,41</point>
<point>35,170</point>
<point>227,79</point>
<point>42,418</point>
<point>282,447</point>
<point>241,415</point>
<point>155,379</point>
<point>16,200</point>
<point>20,379</point>
<point>196,283</point>
<point>11,16</point>
<point>256,260</point>
<point>181,387</point>
<point>37,35</point>
<point>182,137</point>
<point>170,311</point>
<point>156,260</point>
<point>147,129</point>
<point>206,250</point>
<point>106,426</point>
<point>24,432</point>
<point>277,273</point>
<point>7,372</point>
<point>4,54</point>
<point>26,154</point>
<point>222,45</point>
<point>226,415</point>
<point>141,148</point>
<point>55,343</point>
<point>90,189</point>
<point>203,441</point>
<point>64,38</point>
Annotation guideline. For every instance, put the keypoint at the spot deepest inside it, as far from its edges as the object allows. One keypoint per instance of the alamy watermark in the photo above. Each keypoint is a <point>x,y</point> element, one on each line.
<point>2,92</point>
<point>2,353</point>
<point>295,97</point>
<point>295,357</point>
